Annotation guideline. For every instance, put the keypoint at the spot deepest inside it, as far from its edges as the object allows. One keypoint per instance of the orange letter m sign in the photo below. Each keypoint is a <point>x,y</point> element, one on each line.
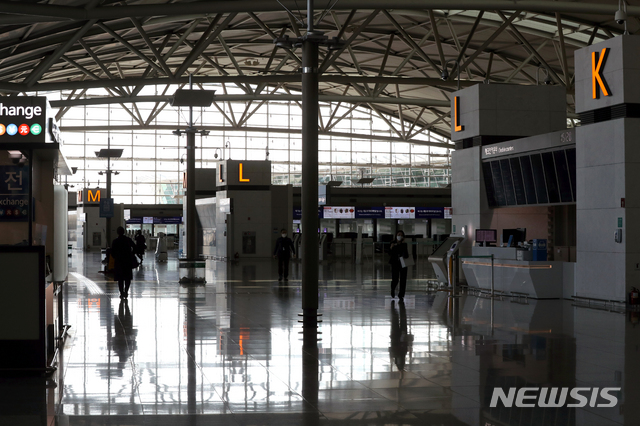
<point>93,197</point>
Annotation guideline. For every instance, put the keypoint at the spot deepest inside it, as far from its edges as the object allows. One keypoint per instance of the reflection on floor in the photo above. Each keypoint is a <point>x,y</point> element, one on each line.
<point>231,353</point>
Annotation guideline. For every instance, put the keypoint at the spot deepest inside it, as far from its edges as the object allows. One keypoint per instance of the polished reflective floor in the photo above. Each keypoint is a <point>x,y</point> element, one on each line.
<point>232,352</point>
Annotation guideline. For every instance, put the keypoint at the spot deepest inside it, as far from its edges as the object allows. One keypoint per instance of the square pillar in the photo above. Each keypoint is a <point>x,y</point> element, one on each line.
<point>607,168</point>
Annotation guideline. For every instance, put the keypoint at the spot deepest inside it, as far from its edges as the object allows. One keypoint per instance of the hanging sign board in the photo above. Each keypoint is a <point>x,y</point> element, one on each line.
<point>369,212</point>
<point>400,212</point>
<point>23,119</point>
<point>339,212</point>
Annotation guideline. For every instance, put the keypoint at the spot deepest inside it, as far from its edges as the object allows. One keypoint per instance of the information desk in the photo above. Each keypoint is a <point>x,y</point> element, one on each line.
<point>539,280</point>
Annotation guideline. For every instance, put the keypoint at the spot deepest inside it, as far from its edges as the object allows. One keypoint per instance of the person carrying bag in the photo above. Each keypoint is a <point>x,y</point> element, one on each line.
<point>399,260</point>
<point>122,252</point>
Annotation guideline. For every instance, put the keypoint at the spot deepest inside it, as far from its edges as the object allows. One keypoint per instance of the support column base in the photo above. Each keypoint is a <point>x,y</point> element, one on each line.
<point>192,272</point>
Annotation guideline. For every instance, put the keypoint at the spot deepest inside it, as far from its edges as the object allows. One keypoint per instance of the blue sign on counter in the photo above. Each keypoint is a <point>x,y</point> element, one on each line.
<point>539,250</point>
<point>14,194</point>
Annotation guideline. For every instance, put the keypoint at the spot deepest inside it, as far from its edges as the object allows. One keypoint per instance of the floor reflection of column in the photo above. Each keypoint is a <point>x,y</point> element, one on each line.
<point>191,350</point>
<point>310,383</point>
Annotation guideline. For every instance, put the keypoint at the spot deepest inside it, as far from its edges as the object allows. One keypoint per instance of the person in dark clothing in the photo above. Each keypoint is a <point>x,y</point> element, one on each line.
<point>397,250</point>
<point>283,252</point>
<point>122,251</point>
<point>141,245</point>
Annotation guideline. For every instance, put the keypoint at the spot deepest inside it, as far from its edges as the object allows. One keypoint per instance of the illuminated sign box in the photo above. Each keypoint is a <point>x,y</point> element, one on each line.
<point>370,212</point>
<point>297,212</point>
<point>339,212</point>
<point>400,212</point>
<point>90,195</point>
<point>24,119</point>
<point>243,173</point>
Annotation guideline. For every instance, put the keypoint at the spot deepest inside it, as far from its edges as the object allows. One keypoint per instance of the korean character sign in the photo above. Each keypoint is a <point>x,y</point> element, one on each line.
<point>14,194</point>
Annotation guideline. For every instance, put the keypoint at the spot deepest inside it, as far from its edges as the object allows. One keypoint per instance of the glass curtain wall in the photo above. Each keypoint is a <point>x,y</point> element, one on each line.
<point>353,143</point>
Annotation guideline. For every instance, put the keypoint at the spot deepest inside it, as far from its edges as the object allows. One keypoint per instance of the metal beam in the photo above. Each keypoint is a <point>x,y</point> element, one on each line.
<point>514,66</point>
<point>406,59</point>
<point>207,37</point>
<point>386,120</point>
<point>524,63</point>
<point>436,36</point>
<point>111,12</point>
<point>488,41</point>
<point>262,97</point>
<point>247,79</point>
<point>230,55</point>
<point>487,74</point>
<point>593,35</point>
<point>153,49</point>
<point>468,40</point>
<point>563,51</point>
<point>331,125</point>
<point>531,49</point>
<point>170,128</point>
<point>411,42</point>
<point>132,48</point>
<point>273,36</point>
<point>95,57</point>
<point>330,59</point>
<point>39,71</point>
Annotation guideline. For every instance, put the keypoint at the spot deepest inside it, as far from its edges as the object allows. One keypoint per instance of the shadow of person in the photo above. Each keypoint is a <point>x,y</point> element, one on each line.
<point>124,341</point>
<point>400,339</point>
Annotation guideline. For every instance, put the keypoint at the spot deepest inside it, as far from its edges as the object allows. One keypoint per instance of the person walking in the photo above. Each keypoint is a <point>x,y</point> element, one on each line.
<point>397,250</point>
<point>141,245</point>
<point>122,253</point>
<point>283,252</point>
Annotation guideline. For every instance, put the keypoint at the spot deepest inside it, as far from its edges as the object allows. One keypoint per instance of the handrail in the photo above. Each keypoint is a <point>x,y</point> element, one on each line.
<point>484,257</point>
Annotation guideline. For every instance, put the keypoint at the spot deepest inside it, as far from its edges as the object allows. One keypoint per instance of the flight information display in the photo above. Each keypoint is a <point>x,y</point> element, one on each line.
<point>539,178</point>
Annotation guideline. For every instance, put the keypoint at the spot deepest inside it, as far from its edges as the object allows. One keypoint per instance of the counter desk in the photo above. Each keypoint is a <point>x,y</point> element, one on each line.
<point>537,279</point>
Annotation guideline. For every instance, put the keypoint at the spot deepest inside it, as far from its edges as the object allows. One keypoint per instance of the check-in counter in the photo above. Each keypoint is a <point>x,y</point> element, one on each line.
<point>537,279</point>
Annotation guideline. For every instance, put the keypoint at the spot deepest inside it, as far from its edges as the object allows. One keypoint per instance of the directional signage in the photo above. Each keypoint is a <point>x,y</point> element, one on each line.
<point>23,119</point>
<point>90,195</point>
<point>14,194</point>
<point>106,207</point>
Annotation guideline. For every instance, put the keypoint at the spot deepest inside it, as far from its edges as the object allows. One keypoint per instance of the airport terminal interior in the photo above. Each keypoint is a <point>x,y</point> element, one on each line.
<point>341,212</point>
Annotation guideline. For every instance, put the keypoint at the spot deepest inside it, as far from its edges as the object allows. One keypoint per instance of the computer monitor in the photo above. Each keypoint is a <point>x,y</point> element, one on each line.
<point>486,236</point>
<point>519,236</point>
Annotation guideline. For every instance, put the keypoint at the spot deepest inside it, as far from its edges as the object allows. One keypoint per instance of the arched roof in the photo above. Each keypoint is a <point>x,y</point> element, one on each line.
<point>391,61</point>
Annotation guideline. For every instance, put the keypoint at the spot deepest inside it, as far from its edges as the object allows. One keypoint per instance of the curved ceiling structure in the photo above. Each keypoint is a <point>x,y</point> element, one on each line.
<point>391,61</point>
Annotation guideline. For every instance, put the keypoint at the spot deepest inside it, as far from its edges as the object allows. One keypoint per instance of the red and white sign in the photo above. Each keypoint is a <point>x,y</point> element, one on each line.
<point>339,212</point>
<point>400,212</point>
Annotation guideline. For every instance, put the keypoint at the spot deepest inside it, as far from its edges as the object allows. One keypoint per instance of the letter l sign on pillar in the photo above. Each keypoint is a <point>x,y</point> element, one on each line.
<point>456,114</point>
<point>241,177</point>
